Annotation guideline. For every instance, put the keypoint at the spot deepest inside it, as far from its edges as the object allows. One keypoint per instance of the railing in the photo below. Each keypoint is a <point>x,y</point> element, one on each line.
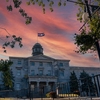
<point>87,87</point>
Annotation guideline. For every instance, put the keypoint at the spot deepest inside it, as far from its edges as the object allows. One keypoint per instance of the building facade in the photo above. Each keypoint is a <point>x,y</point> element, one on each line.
<point>41,70</point>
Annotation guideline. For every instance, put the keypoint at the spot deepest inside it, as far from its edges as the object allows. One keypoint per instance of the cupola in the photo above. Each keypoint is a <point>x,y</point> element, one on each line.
<point>37,49</point>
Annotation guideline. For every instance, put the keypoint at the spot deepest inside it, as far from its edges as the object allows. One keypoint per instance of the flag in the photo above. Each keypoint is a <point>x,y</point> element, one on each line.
<point>41,34</point>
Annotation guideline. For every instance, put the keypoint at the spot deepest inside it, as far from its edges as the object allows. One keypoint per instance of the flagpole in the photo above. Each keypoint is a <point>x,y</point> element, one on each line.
<point>40,35</point>
<point>37,37</point>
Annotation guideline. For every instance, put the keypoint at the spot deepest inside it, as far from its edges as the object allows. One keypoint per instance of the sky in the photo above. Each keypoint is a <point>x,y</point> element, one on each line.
<point>58,26</point>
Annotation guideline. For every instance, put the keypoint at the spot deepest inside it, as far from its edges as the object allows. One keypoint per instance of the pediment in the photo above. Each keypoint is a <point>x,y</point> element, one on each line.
<point>40,57</point>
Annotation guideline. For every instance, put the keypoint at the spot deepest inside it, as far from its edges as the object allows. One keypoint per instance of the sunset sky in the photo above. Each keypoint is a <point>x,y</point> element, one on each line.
<point>59,28</point>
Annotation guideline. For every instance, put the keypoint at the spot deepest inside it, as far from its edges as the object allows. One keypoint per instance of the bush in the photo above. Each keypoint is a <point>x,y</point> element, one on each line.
<point>48,95</point>
<point>51,94</point>
<point>76,92</point>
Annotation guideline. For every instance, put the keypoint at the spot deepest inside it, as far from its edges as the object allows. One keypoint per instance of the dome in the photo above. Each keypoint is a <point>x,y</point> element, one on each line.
<point>37,49</point>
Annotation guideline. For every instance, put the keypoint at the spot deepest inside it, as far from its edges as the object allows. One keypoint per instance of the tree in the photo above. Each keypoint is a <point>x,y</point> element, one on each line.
<point>87,86</point>
<point>73,83</point>
<point>12,41</point>
<point>7,76</point>
<point>88,39</point>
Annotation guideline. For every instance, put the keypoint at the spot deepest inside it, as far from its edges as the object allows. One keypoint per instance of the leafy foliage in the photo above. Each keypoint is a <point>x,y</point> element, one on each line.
<point>42,3</point>
<point>12,42</point>
<point>7,75</point>
<point>17,4</point>
<point>89,34</point>
<point>86,83</point>
<point>73,82</point>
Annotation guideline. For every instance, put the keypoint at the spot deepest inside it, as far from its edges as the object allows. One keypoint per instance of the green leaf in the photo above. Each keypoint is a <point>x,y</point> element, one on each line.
<point>44,10</point>
<point>52,2</point>
<point>51,9</point>
<point>43,5</point>
<point>36,0</point>
<point>13,36</point>
<point>7,36</point>
<point>64,4</point>
<point>59,3</point>
<point>28,3</point>
<point>7,0</point>
<point>33,3</point>
<point>5,51</point>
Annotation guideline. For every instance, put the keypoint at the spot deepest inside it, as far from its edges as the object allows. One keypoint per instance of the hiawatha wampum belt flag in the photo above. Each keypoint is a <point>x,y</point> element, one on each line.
<point>41,34</point>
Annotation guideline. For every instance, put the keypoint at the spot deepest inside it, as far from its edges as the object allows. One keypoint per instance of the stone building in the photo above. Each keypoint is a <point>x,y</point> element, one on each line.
<point>41,70</point>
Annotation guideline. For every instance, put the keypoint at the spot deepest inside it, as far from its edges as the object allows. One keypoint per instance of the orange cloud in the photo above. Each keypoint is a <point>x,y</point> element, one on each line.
<point>59,28</point>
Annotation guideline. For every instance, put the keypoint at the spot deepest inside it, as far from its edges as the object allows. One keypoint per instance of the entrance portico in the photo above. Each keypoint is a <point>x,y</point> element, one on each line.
<point>41,82</point>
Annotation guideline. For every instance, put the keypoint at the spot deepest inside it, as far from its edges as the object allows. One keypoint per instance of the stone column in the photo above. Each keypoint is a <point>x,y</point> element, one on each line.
<point>38,86</point>
<point>47,87</point>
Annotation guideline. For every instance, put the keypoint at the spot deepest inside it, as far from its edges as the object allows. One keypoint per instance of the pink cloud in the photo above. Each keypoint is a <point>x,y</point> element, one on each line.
<point>59,29</point>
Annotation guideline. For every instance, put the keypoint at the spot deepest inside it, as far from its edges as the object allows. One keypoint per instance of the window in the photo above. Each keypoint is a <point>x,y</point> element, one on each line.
<point>18,72</point>
<point>40,72</point>
<point>32,72</point>
<point>18,86</point>
<point>56,72</point>
<point>19,62</point>
<point>34,50</point>
<point>41,63</point>
<point>32,63</point>
<point>38,49</point>
<point>41,50</point>
<point>61,64</point>
<point>49,63</point>
<point>49,72</point>
<point>61,72</point>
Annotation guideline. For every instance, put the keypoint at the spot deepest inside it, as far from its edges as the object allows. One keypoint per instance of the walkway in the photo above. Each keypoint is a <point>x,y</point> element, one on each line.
<point>74,98</point>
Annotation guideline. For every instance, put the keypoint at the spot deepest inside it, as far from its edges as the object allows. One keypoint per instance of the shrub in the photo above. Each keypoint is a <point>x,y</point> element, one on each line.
<point>48,95</point>
<point>51,94</point>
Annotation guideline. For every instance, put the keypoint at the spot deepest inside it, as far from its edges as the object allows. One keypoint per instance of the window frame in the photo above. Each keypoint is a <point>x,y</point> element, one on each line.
<point>18,72</point>
<point>49,74</point>
<point>18,86</point>
<point>40,72</point>
<point>61,73</point>
<point>32,73</point>
<point>40,63</point>
<point>61,64</point>
<point>32,63</point>
<point>19,62</point>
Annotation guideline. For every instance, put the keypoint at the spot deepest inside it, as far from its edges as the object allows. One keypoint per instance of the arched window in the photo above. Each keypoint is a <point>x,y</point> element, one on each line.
<point>34,50</point>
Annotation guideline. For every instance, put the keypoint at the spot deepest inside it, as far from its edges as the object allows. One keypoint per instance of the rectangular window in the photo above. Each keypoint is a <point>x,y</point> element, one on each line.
<point>61,64</point>
<point>18,72</point>
<point>50,63</point>
<point>19,62</point>
<point>32,63</point>
<point>49,72</point>
<point>40,72</point>
<point>56,72</point>
<point>61,72</point>
<point>40,63</point>
<point>18,87</point>
<point>32,72</point>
